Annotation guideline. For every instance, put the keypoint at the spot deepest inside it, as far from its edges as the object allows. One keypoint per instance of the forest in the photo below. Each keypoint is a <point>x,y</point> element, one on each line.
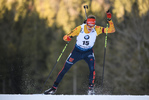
<point>31,40</point>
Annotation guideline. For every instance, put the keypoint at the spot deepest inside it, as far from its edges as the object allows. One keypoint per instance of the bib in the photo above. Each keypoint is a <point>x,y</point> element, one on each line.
<point>86,41</point>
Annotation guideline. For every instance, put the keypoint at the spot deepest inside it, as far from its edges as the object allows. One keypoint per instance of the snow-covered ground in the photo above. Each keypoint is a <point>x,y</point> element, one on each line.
<point>73,97</point>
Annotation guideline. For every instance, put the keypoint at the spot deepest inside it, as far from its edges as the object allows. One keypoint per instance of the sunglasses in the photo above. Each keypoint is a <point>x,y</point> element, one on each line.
<point>90,26</point>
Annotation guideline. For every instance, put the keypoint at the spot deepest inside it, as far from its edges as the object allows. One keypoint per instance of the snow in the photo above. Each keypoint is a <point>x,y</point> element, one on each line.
<point>73,97</point>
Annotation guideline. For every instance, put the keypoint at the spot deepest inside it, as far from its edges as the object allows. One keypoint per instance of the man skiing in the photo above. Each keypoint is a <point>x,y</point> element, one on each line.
<point>86,36</point>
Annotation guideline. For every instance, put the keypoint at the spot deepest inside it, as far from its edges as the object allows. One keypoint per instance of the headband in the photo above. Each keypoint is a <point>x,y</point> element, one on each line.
<point>91,21</point>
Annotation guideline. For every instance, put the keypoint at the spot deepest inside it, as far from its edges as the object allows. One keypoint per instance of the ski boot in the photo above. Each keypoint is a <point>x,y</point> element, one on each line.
<point>91,90</point>
<point>50,91</point>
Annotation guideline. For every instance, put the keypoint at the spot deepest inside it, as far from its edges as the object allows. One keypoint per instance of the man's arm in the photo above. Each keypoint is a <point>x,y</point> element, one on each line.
<point>74,32</point>
<point>111,28</point>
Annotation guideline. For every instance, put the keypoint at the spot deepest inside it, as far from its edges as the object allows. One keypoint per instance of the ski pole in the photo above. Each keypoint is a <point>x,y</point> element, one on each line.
<point>104,53</point>
<point>85,6</point>
<point>54,66</point>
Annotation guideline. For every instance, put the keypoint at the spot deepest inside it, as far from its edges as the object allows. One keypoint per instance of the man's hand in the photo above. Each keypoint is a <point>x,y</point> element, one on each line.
<point>109,14</point>
<point>67,38</point>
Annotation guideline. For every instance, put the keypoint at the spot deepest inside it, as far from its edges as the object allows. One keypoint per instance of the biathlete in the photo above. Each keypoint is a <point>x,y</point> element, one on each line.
<point>86,36</point>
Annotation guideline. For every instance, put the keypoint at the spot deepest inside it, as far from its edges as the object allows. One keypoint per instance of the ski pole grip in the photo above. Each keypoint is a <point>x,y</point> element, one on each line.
<point>108,11</point>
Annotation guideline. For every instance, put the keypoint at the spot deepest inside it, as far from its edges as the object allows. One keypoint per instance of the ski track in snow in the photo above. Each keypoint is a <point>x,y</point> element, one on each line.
<point>72,97</point>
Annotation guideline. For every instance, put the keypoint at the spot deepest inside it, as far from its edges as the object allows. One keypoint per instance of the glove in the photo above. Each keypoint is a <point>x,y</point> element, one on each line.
<point>109,15</point>
<point>67,38</point>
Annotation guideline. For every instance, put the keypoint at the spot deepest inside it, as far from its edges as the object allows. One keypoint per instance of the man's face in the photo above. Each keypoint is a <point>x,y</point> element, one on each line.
<point>90,27</point>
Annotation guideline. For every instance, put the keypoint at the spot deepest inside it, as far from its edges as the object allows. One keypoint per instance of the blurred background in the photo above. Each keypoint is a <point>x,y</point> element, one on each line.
<point>31,33</point>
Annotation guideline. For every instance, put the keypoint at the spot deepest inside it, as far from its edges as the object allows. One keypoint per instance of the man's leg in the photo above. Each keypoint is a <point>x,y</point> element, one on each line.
<point>90,60</point>
<point>91,63</point>
<point>72,59</point>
